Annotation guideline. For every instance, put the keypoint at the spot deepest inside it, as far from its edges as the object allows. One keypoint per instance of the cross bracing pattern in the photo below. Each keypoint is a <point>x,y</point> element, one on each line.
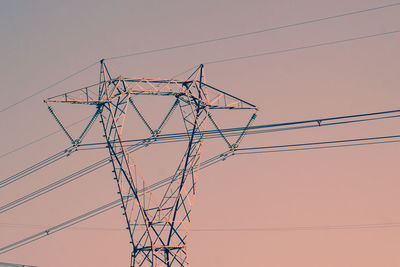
<point>157,220</point>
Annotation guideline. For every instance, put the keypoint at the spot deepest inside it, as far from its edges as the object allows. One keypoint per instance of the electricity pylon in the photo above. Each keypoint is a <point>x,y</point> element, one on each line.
<point>157,218</point>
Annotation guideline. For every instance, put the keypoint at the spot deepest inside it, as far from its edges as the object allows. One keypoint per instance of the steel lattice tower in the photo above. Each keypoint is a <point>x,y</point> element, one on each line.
<point>157,221</point>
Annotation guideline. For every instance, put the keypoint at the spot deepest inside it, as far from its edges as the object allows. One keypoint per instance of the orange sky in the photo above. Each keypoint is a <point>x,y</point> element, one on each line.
<point>43,41</point>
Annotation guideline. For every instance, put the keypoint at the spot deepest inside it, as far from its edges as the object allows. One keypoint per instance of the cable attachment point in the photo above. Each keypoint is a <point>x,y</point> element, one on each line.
<point>71,150</point>
<point>227,154</point>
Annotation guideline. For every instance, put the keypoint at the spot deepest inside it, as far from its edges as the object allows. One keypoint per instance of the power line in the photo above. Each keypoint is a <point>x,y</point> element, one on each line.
<point>239,151</point>
<point>252,129</point>
<point>215,40</point>
<point>65,180</point>
<point>50,187</point>
<point>179,137</point>
<point>35,167</point>
<point>253,32</point>
<point>99,210</point>
<point>70,222</point>
<point>265,128</point>
<point>58,131</point>
<point>59,227</point>
<point>230,132</point>
<point>301,228</point>
<point>163,183</point>
<point>317,145</point>
<point>40,138</point>
<point>301,47</point>
<point>231,229</point>
<point>320,143</point>
<point>258,129</point>
<point>55,132</point>
<point>48,87</point>
<point>213,161</point>
<point>209,62</point>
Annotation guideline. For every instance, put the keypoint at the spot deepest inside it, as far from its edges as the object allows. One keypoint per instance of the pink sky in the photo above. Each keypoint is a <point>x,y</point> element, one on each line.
<point>43,41</point>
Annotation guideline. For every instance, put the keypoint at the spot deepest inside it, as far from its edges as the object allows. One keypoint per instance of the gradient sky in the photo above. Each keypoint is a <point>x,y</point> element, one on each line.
<point>44,41</point>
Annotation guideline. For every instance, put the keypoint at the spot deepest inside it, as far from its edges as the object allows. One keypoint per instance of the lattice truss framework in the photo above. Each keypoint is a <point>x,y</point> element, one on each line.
<point>157,220</point>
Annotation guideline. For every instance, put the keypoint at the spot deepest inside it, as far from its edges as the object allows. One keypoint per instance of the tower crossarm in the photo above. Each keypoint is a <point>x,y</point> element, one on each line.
<point>87,95</point>
<point>218,99</point>
<point>200,92</point>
